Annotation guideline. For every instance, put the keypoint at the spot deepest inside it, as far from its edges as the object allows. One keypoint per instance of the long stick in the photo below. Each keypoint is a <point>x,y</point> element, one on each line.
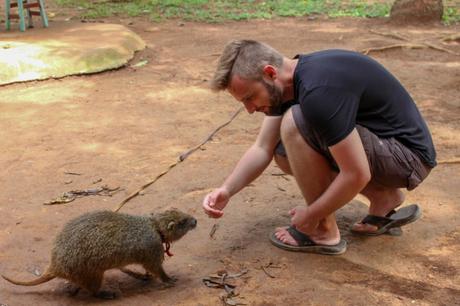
<point>182,157</point>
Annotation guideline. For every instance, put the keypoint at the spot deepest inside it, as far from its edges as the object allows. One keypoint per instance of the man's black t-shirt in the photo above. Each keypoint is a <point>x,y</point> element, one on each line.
<point>337,89</point>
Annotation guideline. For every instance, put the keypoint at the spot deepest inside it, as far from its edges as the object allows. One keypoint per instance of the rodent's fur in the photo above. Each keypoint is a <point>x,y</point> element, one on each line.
<point>97,241</point>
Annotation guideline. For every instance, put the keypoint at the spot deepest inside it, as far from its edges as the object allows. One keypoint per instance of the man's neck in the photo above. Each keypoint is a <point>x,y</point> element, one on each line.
<point>289,66</point>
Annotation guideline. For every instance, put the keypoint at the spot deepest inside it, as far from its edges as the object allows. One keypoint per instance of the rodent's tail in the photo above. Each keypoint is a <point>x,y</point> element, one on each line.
<point>45,277</point>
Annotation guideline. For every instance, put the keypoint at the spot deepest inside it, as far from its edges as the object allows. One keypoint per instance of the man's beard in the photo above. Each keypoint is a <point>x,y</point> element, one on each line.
<point>275,95</point>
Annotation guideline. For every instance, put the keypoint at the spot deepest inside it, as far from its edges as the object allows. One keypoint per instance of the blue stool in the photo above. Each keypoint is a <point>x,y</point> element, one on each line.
<point>21,5</point>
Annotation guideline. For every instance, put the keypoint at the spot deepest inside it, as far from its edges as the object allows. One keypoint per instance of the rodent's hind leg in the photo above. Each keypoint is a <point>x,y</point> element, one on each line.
<point>141,276</point>
<point>92,283</point>
<point>72,290</point>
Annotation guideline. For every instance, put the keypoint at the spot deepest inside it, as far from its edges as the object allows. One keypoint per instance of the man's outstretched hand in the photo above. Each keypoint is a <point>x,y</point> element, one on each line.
<point>215,202</point>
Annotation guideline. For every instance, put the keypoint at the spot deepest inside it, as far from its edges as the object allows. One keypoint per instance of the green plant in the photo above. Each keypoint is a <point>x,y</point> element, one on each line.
<point>451,15</point>
<point>221,10</point>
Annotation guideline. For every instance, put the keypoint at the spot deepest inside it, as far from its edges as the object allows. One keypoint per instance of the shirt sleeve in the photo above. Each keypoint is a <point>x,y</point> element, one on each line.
<point>330,111</point>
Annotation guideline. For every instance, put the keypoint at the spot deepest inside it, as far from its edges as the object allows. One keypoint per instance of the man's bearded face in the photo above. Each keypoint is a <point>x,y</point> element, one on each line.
<point>275,95</point>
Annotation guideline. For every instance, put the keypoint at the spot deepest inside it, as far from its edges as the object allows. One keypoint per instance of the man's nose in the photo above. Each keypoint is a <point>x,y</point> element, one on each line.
<point>250,108</point>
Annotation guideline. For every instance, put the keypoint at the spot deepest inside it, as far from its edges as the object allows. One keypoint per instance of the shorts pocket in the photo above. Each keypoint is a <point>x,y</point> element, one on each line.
<point>413,180</point>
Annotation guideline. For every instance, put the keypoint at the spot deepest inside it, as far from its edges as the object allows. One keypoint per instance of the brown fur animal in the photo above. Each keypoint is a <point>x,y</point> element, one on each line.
<point>97,241</point>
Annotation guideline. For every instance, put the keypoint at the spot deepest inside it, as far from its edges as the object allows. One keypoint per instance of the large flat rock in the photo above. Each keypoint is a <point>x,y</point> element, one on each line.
<point>65,49</point>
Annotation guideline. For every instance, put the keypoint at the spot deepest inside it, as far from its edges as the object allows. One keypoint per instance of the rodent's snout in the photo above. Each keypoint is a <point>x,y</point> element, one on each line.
<point>193,222</point>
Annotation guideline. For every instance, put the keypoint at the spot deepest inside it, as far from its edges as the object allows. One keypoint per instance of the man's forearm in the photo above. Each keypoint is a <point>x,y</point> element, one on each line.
<point>249,167</point>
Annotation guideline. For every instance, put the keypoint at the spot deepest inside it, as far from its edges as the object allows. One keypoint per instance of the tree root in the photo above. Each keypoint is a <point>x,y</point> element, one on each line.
<point>394,46</point>
<point>409,44</point>
<point>449,161</point>
<point>453,37</point>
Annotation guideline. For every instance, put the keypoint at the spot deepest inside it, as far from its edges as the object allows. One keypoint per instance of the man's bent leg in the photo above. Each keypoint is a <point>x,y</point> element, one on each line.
<point>313,175</point>
<point>382,200</point>
<point>393,166</point>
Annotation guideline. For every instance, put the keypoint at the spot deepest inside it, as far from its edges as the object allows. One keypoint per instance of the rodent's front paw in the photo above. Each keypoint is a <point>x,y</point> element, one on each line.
<point>173,279</point>
<point>168,284</point>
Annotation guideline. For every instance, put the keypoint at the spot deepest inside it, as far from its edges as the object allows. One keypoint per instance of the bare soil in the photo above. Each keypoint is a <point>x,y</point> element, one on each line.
<point>122,128</point>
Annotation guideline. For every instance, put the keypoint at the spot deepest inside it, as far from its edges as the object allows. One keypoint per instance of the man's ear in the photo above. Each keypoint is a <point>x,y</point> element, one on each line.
<point>270,72</point>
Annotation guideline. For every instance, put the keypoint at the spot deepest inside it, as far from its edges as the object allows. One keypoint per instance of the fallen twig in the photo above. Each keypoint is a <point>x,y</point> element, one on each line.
<point>182,157</point>
<point>70,196</point>
<point>269,265</point>
<point>266,272</point>
<point>219,281</point>
<point>279,174</point>
<point>282,175</point>
<point>72,173</point>
<point>231,300</point>
<point>241,273</point>
<point>213,230</point>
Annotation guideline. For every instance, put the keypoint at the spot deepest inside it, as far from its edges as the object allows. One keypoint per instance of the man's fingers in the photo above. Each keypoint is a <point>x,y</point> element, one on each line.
<point>214,213</point>
<point>209,201</point>
<point>209,210</point>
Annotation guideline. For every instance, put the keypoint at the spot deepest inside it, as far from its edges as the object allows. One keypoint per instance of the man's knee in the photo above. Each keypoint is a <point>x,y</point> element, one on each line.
<point>283,163</point>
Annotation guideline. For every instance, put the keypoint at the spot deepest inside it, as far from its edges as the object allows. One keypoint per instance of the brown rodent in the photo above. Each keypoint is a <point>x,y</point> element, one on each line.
<point>97,241</point>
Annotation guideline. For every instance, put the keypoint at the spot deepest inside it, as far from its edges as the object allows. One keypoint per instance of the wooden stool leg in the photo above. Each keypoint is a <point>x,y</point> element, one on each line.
<point>7,17</point>
<point>22,24</point>
<point>43,13</point>
<point>29,14</point>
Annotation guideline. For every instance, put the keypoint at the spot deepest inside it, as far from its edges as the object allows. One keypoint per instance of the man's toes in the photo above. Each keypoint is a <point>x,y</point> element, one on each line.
<point>280,235</point>
<point>358,226</point>
<point>283,235</point>
<point>280,231</point>
<point>287,238</point>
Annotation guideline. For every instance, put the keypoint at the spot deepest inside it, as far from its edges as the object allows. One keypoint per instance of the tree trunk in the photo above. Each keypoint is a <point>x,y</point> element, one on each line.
<point>416,11</point>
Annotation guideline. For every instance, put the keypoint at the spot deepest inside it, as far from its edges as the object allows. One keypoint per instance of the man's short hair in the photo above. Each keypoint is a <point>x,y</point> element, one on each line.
<point>245,58</point>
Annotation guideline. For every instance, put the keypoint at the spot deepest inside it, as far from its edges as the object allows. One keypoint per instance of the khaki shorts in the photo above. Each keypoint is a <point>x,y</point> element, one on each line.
<point>391,163</point>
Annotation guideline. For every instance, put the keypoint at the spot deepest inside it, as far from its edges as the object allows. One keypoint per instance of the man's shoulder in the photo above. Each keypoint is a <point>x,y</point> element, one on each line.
<point>316,55</point>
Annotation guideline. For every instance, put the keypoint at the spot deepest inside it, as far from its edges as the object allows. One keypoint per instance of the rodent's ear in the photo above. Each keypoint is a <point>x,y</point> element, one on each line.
<point>171,225</point>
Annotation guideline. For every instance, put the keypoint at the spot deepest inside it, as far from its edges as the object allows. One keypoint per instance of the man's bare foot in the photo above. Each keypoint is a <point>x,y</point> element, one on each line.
<point>284,236</point>
<point>382,202</point>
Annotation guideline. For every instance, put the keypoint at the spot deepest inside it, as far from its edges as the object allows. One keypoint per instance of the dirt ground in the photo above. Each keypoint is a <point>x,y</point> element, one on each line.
<point>122,128</point>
